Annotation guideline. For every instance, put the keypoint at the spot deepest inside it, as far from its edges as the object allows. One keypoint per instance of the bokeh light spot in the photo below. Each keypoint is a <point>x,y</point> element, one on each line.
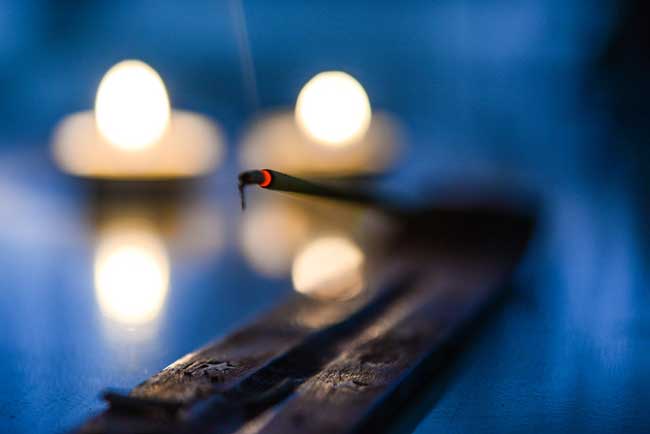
<point>131,274</point>
<point>333,109</point>
<point>132,107</point>
<point>329,268</point>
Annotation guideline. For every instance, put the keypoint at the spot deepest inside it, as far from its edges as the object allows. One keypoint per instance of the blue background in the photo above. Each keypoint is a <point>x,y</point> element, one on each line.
<point>548,94</point>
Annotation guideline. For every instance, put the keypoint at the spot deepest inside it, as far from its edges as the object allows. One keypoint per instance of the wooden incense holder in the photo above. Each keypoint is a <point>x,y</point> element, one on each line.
<point>310,366</point>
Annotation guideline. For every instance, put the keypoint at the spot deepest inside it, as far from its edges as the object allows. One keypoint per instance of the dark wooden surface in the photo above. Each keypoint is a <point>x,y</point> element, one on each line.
<point>340,366</point>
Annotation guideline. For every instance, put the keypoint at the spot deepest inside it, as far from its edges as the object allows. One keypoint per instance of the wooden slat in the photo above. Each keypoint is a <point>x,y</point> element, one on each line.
<point>350,363</point>
<point>345,396</point>
<point>218,365</point>
<point>222,365</point>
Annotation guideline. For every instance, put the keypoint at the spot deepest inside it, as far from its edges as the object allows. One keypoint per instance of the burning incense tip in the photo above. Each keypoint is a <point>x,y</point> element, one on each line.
<point>263,178</point>
<point>267,178</point>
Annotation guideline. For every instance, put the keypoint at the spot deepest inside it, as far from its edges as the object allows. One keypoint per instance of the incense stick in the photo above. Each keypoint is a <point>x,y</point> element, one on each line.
<point>278,181</point>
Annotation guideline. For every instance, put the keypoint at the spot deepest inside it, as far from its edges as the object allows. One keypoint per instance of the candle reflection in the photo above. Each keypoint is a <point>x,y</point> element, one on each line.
<point>271,233</point>
<point>329,268</point>
<point>131,273</point>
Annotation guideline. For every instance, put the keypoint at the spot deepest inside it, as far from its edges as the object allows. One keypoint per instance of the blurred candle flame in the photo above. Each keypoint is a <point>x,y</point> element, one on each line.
<point>132,107</point>
<point>329,268</point>
<point>333,109</point>
<point>131,273</point>
<point>275,140</point>
<point>134,134</point>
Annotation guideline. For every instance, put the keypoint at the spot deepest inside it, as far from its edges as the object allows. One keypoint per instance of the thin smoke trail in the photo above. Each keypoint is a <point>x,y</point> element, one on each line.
<point>246,56</point>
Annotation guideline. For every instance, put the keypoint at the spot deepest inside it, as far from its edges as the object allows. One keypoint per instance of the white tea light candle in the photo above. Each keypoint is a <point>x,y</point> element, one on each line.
<point>332,130</point>
<point>134,134</point>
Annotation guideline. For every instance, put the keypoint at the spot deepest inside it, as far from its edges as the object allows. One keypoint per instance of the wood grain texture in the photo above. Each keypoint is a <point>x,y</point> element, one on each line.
<point>315,367</point>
